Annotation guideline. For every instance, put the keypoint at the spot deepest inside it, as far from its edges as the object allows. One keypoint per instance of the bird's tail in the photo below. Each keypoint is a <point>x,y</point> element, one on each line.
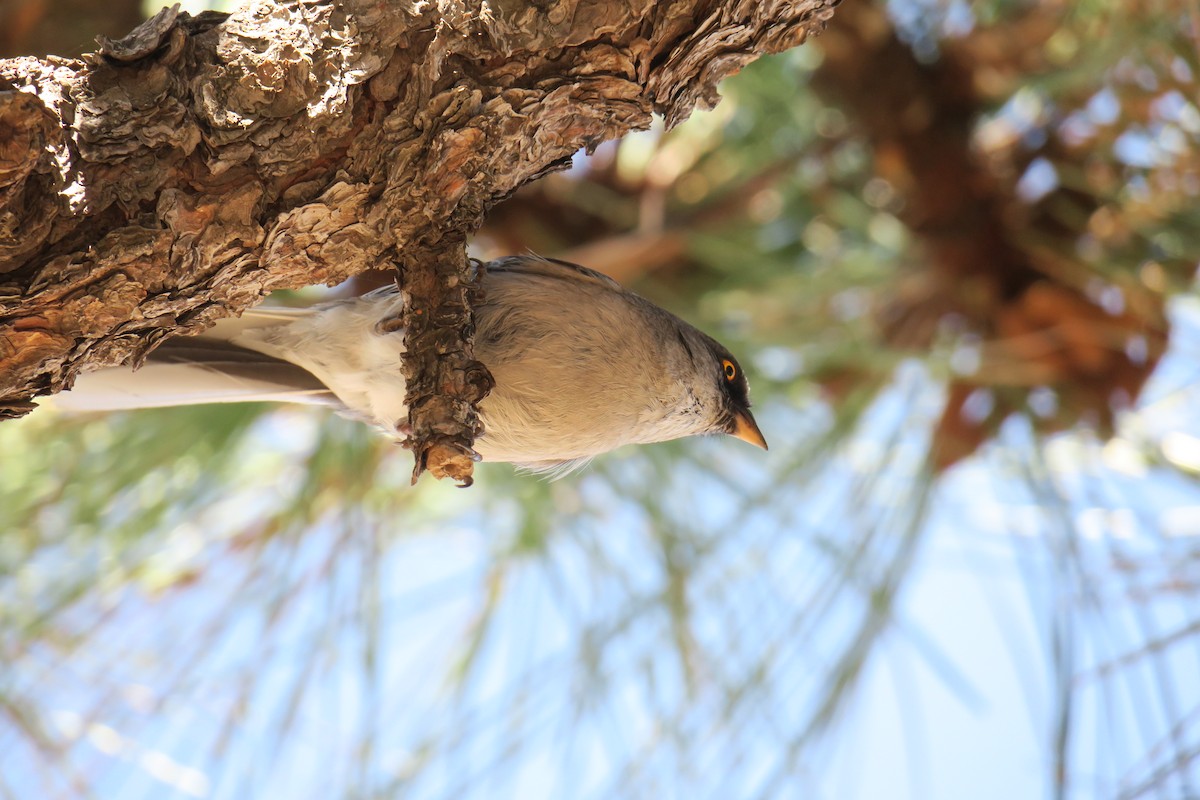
<point>214,367</point>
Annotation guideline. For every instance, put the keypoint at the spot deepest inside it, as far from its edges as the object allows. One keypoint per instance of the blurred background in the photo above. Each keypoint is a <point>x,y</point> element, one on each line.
<point>954,244</point>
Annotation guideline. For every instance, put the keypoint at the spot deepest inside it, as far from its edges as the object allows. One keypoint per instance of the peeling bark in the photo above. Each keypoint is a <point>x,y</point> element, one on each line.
<point>179,174</point>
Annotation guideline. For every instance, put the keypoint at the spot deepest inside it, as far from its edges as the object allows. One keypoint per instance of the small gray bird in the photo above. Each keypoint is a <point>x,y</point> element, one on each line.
<point>582,366</point>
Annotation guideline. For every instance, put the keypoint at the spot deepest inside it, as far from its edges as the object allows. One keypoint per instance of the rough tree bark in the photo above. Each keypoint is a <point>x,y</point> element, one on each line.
<point>179,174</point>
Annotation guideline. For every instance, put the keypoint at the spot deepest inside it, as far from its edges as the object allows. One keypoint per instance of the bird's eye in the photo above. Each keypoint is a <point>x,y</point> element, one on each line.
<point>730,369</point>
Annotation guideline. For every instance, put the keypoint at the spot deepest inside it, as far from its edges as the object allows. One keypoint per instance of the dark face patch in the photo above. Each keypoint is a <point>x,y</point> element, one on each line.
<point>734,392</point>
<point>738,389</point>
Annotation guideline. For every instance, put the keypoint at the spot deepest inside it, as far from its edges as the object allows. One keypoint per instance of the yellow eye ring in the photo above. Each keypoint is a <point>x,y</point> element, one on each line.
<point>730,370</point>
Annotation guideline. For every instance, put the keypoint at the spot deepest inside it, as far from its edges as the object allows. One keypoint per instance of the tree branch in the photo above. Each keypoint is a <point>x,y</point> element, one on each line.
<point>180,174</point>
<point>1008,268</point>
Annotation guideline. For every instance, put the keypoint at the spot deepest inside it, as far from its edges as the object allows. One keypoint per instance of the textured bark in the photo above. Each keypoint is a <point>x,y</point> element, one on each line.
<point>180,174</point>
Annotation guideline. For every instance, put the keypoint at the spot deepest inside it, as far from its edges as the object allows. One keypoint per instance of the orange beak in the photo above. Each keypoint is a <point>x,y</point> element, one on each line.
<point>746,429</point>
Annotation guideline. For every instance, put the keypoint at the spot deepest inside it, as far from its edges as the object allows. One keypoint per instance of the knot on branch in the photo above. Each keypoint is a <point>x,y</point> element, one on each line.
<point>444,381</point>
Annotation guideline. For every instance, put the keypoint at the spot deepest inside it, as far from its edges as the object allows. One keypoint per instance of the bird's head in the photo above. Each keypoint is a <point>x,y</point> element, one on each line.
<point>721,389</point>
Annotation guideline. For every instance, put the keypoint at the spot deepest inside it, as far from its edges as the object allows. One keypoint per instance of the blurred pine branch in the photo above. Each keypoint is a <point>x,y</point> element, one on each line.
<point>964,251</point>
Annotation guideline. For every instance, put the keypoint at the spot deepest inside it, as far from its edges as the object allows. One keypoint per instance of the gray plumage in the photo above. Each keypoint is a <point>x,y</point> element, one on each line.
<point>582,366</point>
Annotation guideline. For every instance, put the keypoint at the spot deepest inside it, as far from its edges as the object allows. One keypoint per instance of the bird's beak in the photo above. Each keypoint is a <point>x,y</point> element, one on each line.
<point>746,429</point>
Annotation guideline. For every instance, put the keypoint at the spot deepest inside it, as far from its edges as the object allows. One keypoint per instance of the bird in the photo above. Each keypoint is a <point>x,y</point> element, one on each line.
<point>581,366</point>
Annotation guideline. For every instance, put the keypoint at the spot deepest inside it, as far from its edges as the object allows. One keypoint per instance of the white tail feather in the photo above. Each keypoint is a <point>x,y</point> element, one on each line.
<point>197,376</point>
<point>161,385</point>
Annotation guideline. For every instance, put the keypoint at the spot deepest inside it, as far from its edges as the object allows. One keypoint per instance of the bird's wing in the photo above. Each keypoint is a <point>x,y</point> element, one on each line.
<point>553,268</point>
<point>238,363</point>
